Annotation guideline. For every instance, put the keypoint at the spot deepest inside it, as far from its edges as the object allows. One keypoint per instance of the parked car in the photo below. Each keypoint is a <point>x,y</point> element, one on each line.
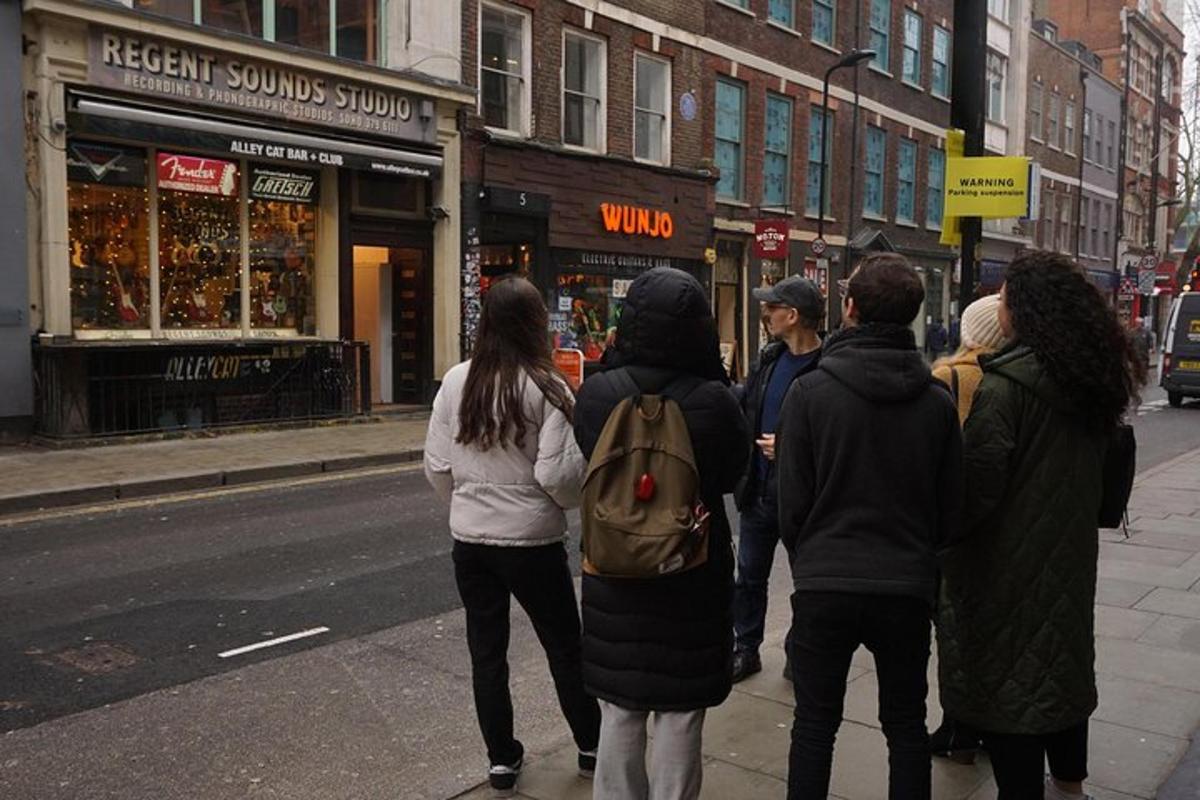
<point>1179,372</point>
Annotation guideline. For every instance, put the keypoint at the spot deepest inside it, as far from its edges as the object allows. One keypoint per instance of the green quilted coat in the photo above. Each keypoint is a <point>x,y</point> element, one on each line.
<point>1015,618</point>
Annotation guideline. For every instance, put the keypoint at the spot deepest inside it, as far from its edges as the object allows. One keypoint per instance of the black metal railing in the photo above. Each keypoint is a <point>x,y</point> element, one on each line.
<point>85,389</point>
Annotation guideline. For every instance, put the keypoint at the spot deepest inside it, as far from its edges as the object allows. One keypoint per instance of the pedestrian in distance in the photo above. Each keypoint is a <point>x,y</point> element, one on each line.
<point>501,450</point>
<point>662,645</point>
<point>793,310</point>
<point>1016,627</point>
<point>869,449</point>
<point>936,337</point>
<point>1143,340</point>
<point>961,374</point>
<point>981,335</point>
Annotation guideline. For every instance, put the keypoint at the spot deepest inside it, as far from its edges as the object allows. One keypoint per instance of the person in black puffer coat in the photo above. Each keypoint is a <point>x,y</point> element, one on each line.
<point>663,644</point>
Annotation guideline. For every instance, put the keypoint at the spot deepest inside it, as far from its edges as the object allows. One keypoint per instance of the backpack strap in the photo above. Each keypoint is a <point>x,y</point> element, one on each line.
<point>680,388</point>
<point>954,384</point>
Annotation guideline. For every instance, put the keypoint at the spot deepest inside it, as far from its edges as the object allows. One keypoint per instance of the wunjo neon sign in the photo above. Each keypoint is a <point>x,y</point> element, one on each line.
<point>637,221</point>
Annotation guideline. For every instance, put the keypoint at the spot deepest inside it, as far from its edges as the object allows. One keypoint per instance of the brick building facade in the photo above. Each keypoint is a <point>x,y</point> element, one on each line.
<point>740,109</point>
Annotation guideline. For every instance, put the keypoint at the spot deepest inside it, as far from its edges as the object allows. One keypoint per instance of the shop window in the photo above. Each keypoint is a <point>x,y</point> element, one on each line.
<point>199,239</point>
<point>876,157</point>
<point>777,151</point>
<point>238,16</point>
<point>906,181</point>
<point>283,204</point>
<point>504,68</point>
<point>940,73</point>
<point>304,23</point>
<point>109,225</point>
<point>498,261</point>
<point>591,322</point>
<point>652,124</point>
<point>912,48</point>
<point>816,136</point>
<point>823,21</point>
<point>881,32</point>
<point>934,190</point>
<point>583,91</point>
<point>730,121</point>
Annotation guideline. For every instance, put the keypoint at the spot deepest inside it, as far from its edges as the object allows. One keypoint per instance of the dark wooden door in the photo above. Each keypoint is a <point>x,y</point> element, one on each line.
<point>412,348</point>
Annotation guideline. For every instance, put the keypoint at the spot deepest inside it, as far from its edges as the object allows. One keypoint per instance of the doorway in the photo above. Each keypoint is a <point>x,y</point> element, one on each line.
<point>392,312</point>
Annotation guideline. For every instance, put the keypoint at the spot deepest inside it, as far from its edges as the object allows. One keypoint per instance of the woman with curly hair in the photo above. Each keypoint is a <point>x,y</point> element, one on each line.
<point>1016,628</point>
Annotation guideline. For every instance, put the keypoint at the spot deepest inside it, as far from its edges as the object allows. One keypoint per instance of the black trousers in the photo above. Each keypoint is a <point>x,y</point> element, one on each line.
<point>539,578</point>
<point>827,628</point>
<point>1019,760</point>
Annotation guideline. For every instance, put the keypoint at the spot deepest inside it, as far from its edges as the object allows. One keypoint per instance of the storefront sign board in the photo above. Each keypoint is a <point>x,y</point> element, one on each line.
<point>637,221</point>
<point>283,184</point>
<point>770,238</point>
<point>200,175</point>
<point>228,82</point>
<point>992,187</point>
<point>108,164</point>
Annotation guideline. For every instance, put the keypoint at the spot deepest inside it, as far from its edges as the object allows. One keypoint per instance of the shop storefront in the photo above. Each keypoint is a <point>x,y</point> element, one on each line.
<point>582,233</point>
<point>204,212</point>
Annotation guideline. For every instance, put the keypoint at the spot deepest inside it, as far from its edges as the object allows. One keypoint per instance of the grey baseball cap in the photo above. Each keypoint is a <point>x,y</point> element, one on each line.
<point>797,292</point>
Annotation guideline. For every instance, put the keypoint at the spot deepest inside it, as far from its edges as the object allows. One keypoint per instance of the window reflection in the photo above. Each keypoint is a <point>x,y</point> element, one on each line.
<point>239,16</point>
<point>304,23</point>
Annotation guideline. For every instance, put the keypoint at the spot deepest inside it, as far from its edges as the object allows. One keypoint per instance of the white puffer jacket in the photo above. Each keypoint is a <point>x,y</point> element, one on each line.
<point>511,496</point>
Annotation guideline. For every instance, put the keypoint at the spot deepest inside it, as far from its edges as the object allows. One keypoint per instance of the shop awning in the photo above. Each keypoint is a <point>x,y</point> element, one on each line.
<point>111,119</point>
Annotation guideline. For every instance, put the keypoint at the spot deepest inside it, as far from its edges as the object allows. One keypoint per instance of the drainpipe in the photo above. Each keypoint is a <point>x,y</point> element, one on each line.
<point>1083,76</point>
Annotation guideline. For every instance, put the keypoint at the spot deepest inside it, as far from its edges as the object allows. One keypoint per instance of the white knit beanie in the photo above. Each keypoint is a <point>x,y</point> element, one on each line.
<point>981,324</point>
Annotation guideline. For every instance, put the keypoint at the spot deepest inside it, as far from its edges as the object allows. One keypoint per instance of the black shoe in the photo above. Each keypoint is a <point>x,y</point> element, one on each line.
<point>745,664</point>
<point>587,763</point>
<point>503,778</point>
<point>955,741</point>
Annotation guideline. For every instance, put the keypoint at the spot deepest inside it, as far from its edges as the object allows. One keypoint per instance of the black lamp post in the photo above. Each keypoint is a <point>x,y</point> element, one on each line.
<point>851,59</point>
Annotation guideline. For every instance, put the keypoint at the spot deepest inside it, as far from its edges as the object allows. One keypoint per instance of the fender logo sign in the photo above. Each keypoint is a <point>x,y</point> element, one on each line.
<point>637,221</point>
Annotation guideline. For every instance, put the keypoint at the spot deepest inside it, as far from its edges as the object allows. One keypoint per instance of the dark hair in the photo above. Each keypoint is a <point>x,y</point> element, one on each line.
<point>886,288</point>
<point>513,339</point>
<point>1059,314</point>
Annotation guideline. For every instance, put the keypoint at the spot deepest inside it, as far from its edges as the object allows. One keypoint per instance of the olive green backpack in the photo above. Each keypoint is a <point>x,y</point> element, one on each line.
<point>641,511</point>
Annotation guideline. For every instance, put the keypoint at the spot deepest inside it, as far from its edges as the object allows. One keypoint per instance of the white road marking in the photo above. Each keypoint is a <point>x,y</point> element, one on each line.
<point>291,637</point>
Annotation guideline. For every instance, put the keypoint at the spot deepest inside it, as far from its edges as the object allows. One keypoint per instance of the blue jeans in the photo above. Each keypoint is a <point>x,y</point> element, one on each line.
<point>757,540</point>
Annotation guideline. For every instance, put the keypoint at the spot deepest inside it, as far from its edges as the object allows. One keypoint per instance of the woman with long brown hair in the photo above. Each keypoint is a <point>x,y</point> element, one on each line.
<point>501,451</point>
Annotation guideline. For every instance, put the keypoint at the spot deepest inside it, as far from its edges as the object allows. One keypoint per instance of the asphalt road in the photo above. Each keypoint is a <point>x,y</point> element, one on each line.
<point>128,598</point>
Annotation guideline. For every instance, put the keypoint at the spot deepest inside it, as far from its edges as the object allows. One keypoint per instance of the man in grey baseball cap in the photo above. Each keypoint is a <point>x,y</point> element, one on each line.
<point>792,310</point>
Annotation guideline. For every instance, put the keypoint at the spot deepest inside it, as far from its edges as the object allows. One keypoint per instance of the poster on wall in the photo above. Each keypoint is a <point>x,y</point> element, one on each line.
<point>198,175</point>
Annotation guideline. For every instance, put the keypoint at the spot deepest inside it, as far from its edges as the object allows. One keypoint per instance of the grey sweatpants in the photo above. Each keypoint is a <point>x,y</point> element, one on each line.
<point>675,764</point>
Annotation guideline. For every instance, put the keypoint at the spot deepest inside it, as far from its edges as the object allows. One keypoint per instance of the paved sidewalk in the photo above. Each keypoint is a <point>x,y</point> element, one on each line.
<point>34,477</point>
<point>1148,664</point>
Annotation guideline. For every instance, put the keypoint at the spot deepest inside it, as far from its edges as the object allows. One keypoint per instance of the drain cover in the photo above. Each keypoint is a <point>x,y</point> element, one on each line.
<point>97,658</point>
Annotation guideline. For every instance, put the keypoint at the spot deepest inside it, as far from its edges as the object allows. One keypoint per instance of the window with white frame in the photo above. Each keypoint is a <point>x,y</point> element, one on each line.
<point>1035,112</point>
<point>1110,144</point>
<point>935,188</point>
<point>1048,237</point>
<point>777,151</point>
<point>1052,120</point>
<point>911,68</point>
<point>881,32</point>
<point>876,145</point>
<point>939,82</point>
<point>730,131</point>
<point>1168,80</point>
<point>1087,135</point>
<point>583,91</point>
<point>504,68</point>
<point>1084,217</point>
<point>998,9</point>
<point>1064,225</point>
<point>652,123</point>
<point>997,78</point>
<point>1096,229</point>
<point>1069,128</point>
<point>782,12</point>
<point>818,142</point>
<point>823,21</point>
<point>906,181</point>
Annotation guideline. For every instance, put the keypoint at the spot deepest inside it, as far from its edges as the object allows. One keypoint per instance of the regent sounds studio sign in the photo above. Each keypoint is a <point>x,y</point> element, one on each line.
<point>163,69</point>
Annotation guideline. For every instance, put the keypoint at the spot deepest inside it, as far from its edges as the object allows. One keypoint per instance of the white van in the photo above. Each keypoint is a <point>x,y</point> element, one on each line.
<point>1179,370</point>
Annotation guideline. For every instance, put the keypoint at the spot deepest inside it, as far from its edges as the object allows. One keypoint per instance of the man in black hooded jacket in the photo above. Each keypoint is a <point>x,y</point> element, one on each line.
<point>868,451</point>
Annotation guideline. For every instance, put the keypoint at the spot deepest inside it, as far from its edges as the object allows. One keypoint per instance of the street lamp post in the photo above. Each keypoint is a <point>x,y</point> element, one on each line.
<point>851,59</point>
